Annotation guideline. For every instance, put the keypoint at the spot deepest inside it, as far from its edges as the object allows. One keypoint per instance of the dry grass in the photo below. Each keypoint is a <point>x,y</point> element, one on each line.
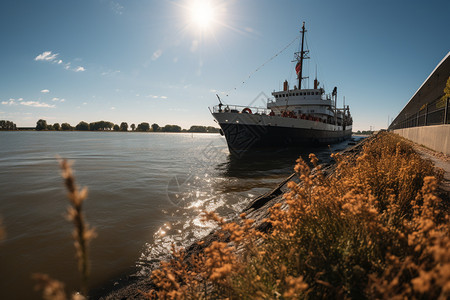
<point>82,233</point>
<point>374,229</point>
<point>53,289</point>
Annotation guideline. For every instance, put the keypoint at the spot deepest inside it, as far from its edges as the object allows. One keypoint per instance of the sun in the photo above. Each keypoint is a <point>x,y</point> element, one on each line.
<point>202,14</point>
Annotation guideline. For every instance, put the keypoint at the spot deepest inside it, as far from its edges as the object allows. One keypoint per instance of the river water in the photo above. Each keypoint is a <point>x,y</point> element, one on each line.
<point>146,191</point>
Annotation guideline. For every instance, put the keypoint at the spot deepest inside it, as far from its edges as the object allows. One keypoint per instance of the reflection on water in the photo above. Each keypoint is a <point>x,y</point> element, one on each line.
<point>263,162</point>
<point>274,161</point>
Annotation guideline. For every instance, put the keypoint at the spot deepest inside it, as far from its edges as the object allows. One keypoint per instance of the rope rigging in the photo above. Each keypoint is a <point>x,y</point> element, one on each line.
<point>269,60</point>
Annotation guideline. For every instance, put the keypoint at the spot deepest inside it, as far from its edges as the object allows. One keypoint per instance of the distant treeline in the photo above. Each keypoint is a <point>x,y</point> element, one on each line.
<point>7,125</point>
<point>365,132</point>
<point>109,126</point>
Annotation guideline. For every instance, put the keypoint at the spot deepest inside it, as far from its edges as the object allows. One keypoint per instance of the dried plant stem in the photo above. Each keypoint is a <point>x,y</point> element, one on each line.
<point>82,233</point>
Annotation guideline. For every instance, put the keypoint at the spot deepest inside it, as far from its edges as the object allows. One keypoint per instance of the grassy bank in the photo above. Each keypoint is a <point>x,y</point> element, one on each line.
<point>373,229</point>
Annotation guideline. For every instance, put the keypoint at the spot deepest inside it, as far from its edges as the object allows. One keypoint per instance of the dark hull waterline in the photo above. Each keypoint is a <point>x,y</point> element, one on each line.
<point>242,137</point>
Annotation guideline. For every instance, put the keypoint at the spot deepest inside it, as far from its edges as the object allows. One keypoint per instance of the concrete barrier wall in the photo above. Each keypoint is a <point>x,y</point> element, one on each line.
<point>435,137</point>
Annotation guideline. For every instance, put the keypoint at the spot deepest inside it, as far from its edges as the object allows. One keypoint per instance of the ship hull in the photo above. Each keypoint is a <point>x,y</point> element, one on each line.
<point>245,132</point>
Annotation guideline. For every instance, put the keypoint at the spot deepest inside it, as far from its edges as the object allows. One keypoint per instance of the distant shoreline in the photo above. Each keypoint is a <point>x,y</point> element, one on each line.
<point>135,131</point>
<point>109,131</point>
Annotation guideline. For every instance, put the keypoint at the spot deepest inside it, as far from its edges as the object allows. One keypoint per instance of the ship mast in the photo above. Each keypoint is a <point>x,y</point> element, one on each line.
<point>299,57</point>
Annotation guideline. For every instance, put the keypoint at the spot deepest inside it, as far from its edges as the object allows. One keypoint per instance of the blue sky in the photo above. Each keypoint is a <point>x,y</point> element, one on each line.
<point>150,61</point>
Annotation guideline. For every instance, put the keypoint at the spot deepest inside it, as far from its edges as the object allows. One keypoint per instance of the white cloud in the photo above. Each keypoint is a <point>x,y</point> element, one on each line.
<point>156,54</point>
<point>45,91</point>
<point>156,97</point>
<point>10,102</point>
<point>52,58</point>
<point>37,104</point>
<point>116,7</point>
<point>62,100</point>
<point>55,99</point>
<point>46,56</point>
<point>20,99</point>
<point>110,73</point>
<point>113,108</point>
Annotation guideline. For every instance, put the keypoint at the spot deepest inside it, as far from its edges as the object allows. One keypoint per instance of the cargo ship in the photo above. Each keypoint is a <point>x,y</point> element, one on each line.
<point>293,117</point>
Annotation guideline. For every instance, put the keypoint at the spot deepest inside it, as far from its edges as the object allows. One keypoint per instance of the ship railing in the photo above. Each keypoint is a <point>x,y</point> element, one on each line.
<point>240,109</point>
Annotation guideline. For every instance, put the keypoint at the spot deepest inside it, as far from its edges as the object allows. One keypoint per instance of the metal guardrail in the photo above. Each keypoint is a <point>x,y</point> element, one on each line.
<point>239,109</point>
<point>436,112</point>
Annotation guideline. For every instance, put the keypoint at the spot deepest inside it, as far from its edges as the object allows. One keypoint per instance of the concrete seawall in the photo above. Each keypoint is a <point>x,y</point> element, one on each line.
<point>435,137</point>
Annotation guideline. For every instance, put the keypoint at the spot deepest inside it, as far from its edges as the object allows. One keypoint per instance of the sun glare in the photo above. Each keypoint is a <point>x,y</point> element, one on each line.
<point>202,14</point>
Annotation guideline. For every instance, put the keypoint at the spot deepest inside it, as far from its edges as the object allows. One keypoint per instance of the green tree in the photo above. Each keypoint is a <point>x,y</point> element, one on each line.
<point>82,126</point>
<point>143,127</point>
<point>155,127</point>
<point>41,125</point>
<point>66,126</point>
<point>116,127</point>
<point>56,126</point>
<point>447,90</point>
<point>123,126</point>
<point>133,127</point>
<point>211,129</point>
<point>196,128</point>
<point>171,128</point>
<point>7,125</point>
<point>101,125</point>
